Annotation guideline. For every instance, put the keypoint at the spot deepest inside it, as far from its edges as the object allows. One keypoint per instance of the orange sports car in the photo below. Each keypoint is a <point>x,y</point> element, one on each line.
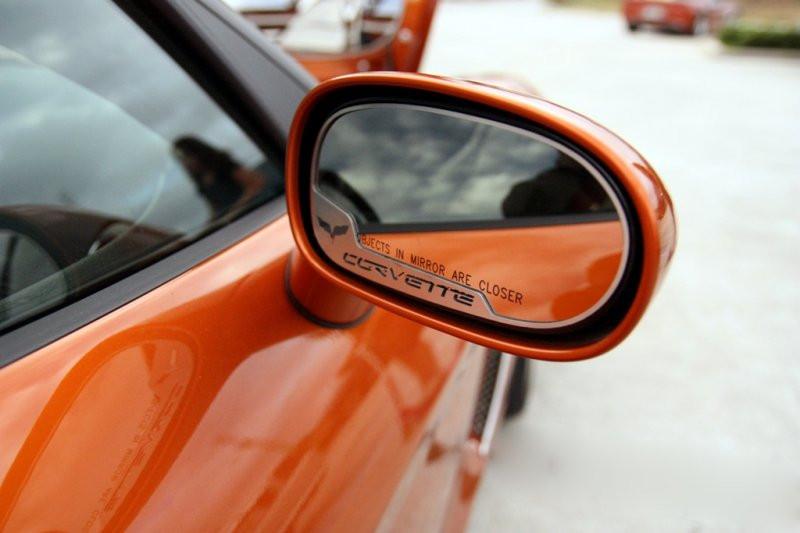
<point>234,299</point>
<point>335,37</point>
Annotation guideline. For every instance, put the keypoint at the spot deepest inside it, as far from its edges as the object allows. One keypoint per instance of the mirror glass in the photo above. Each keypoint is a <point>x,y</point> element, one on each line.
<point>478,216</point>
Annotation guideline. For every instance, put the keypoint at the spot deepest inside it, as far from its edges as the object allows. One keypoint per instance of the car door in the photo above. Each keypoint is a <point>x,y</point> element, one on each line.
<point>156,374</point>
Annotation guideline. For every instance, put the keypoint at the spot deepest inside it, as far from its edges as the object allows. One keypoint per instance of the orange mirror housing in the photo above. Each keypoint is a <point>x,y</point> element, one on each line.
<point>559,265</point>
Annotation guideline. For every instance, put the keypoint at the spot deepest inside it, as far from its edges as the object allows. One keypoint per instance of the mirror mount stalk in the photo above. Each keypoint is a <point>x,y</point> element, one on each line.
<point>320,300</point>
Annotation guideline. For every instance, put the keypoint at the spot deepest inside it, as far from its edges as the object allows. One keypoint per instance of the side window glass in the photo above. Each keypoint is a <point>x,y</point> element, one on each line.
<point>110,154</point>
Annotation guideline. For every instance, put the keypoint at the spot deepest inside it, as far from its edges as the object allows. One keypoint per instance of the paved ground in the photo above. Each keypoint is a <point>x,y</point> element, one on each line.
<point>694,423</point>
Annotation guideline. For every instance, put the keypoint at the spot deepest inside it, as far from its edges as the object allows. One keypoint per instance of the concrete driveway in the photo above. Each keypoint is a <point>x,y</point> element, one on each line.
<point>693,424</point>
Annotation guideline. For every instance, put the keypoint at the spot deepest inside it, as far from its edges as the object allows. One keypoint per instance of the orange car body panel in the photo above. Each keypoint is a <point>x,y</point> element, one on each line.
<point>401,52</point>
<point>549,273</point>
<point>211,403</point>
<point>648,195</point>
<point>408,44</point>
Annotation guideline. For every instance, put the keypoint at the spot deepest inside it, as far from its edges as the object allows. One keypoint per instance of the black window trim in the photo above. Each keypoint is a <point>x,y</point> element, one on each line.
<point>189,45</point>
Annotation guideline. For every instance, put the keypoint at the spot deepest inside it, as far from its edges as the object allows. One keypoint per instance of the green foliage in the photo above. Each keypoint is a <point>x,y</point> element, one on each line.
<point>761,35</point>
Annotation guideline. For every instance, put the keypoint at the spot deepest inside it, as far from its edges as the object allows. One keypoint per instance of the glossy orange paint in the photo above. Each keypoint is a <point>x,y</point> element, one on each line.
<point>409,42</point>
<point>648,195</point>
<point>209,403</point>
<point>431,497</point>
<point>401,52</point>
<point>473,464</point>
<point>545,273</point>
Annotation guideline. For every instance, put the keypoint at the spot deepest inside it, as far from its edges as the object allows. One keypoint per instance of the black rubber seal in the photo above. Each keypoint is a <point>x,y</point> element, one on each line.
<point>309,315</point>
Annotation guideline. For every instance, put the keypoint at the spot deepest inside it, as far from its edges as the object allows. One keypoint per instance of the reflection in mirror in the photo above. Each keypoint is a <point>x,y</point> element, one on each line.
<point>478,216</point>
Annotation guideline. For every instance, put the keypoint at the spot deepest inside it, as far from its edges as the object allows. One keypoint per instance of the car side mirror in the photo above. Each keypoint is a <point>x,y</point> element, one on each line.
<point>497,217</point>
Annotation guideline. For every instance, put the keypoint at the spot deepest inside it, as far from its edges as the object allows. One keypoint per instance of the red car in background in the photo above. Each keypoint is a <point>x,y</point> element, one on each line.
<point>692,17</point>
